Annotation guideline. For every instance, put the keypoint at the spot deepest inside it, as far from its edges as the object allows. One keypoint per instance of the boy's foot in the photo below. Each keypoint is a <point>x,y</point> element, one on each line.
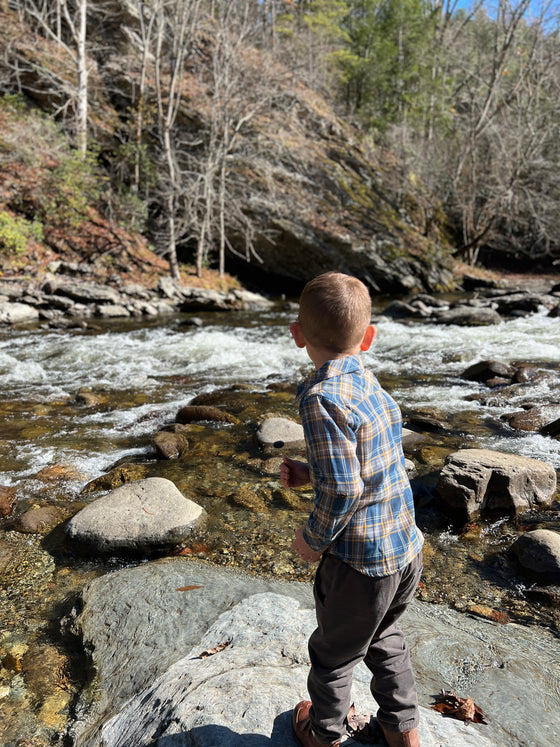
<point>301,726</point>
<point>402,738</point>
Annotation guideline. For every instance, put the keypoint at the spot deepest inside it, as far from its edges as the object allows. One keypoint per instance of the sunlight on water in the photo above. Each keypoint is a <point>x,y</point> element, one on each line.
<point>423,361</point>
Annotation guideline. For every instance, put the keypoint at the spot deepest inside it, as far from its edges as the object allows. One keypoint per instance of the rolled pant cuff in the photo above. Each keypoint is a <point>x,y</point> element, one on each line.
<point>412,723</point>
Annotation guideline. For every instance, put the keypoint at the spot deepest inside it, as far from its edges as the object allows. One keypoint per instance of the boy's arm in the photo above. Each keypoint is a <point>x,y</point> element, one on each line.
<point>335,470</point>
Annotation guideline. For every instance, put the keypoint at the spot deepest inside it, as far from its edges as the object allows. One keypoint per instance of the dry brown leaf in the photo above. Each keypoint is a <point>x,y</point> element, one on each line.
<point>464,709</point>
<point>188,588</point>
<point>362,727</point>
<point>215,650</point>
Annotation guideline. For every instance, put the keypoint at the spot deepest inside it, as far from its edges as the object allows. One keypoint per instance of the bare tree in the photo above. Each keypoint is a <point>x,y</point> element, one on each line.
<point>174,25</point>
<point>65,21</point>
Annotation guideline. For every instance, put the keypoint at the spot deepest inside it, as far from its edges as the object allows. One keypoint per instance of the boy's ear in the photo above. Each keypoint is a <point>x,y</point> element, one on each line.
<point>297,334</point>
<point>368,337</point>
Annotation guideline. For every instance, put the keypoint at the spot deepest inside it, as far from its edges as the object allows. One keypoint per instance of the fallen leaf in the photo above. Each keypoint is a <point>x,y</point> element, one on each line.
<point>197,547</point>
<point>215,650</point>
<point>464,709</point>
<point>362,727</point>
<point>188,588</point>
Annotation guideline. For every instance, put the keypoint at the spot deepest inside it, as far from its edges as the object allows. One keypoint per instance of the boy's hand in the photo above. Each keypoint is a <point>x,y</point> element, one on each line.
<point>300,546</point>
<point>293,474</point>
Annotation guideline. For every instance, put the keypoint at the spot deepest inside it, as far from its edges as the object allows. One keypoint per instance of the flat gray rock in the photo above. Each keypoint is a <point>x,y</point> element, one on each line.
<point>280,433</point>
<point>17,313</point>
<point>147,629</point>
<point>138,516</point>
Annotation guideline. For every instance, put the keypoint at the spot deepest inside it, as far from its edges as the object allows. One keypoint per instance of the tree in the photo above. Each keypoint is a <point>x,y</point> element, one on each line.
<point>174,27</point>
<point>65,21</point>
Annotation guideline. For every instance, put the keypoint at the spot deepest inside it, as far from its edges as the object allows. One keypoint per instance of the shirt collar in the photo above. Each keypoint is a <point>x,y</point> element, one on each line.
<point>336,367</point>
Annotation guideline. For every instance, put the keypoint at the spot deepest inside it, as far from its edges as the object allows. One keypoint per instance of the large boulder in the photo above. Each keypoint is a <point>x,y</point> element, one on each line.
<point>138,516</point>
<point>152,630</point>
<point>483,481</point>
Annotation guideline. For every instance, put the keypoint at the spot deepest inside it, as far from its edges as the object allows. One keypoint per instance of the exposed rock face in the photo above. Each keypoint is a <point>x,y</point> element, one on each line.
<point>147,631</point>
<point>480,480</point>
<point>539,552</point>
<point>137,516</point>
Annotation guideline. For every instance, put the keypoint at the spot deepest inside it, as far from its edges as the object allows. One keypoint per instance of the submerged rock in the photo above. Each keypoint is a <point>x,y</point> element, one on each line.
<point>138,516</point>
<point>198,413</point>
<point>481,480</point>
<point>40,520</point>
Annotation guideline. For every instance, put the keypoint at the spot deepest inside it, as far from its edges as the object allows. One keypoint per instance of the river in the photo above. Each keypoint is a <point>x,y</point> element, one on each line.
<point>52,445</point>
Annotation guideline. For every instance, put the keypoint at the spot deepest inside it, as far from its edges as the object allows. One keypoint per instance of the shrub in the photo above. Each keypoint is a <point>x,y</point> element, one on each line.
<point>16,232</point>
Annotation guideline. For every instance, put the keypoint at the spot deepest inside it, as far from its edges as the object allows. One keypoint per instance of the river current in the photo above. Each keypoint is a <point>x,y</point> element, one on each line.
<point>419,363</point>
<point>52,444</point>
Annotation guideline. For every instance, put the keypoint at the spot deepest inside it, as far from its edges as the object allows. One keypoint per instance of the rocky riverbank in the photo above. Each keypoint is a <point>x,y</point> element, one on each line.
<point>67,294</point>
<point>186,653</point>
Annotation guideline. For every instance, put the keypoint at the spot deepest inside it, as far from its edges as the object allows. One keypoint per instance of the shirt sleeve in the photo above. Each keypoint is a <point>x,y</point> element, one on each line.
<point>335,470</point>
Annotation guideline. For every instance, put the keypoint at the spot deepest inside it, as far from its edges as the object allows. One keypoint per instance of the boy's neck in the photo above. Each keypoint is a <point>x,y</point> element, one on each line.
<point>320,356</point>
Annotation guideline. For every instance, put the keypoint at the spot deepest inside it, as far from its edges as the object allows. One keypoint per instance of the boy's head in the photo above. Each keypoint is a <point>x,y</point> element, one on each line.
<point>335,313</point>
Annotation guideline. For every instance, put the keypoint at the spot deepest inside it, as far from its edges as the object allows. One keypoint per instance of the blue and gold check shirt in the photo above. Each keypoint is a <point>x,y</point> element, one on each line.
<point>364,510</point>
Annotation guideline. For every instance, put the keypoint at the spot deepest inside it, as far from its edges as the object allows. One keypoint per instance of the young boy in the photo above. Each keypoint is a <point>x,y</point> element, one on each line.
<point>362,526</point>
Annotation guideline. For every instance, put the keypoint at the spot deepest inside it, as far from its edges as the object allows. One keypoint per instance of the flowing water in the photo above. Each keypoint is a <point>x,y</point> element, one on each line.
<point>52,445</point>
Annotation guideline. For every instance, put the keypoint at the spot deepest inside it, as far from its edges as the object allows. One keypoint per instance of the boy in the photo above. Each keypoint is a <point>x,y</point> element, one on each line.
<point>362,525</point>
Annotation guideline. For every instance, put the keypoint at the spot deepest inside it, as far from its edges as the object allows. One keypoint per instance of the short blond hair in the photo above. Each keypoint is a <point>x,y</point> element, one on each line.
<point>334,311</point>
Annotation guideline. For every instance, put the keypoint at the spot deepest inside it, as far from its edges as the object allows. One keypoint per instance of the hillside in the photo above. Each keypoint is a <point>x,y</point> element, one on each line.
<point>297,190</point>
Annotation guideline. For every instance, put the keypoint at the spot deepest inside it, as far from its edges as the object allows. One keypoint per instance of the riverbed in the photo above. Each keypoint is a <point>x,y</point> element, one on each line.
<point>81,402</point>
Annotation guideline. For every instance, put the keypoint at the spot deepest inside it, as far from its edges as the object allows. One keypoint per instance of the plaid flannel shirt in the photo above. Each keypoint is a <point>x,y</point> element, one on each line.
<point>364,510</point>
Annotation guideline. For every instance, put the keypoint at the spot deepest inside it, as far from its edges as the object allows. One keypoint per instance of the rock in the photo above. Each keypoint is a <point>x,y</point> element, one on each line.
<point>252,301</point>
<point>533,419</point>
<point>520,304</point>
<point>91,399</point>
<point>84,293</point>
<point>119,475</point>
<point>40,520</point>
<point>400,310</point>
<point>412,440</point>
<point>138,516</point>
<point>147,636</point>
<point>481,480</point>
<point>469,316</point>
<point>539,552</point>
<point>197,413</point>
<point>472,282</point>
<point>253,500</point>
<point>17,313</point>
<point>172,444</point>
<point>111,311</point>
<point>551,429</point>
<point>7,500</point>
<point>485,370</point>
<point>280,433</point>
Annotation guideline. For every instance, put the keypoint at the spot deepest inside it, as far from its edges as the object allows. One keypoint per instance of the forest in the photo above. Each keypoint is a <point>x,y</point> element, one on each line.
<point>153,112</point>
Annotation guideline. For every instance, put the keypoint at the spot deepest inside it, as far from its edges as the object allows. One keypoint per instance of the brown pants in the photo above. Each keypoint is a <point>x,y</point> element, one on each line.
<point>357,621</point>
